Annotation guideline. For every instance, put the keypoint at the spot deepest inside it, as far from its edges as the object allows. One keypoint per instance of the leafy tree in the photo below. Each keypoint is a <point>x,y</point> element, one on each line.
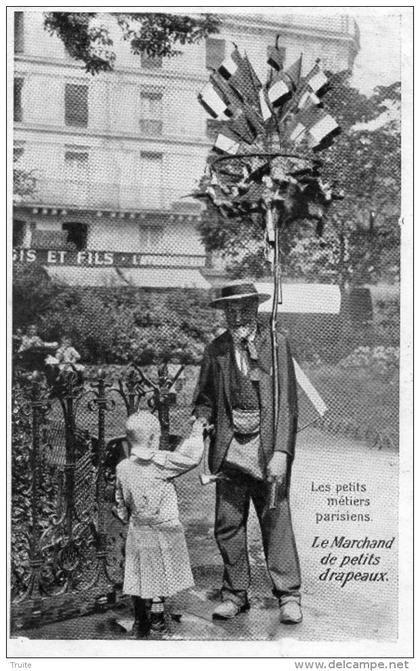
<point>87,38</point>
<point>362,232</point>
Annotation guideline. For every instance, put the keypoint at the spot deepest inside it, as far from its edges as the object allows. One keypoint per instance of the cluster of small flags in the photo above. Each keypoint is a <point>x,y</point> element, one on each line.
<point>236,97</point>
<point>283,116</point>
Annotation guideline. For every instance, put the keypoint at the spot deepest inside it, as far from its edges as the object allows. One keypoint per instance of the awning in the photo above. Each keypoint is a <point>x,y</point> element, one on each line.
<point>303,298</point>
<point>161,278</point>
<point>188,278</point>
<point>85,277</point>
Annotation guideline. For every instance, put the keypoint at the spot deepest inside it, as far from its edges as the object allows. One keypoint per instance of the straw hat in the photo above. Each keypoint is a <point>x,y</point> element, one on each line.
<point>235,292</point>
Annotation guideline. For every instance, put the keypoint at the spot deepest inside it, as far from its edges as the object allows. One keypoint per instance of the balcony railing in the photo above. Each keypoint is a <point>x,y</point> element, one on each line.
<point>108,196</point>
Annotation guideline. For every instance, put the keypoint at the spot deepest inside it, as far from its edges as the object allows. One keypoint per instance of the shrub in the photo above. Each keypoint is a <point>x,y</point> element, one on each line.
<point>380,360</point>
<point>123,324</point>
<point>33,292</point>
<point>117,324</point>
<point>387,320</point>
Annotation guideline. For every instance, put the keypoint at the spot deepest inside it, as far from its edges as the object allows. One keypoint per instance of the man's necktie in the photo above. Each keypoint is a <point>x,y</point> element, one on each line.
<point>249,347</point>
<point>248,351</point>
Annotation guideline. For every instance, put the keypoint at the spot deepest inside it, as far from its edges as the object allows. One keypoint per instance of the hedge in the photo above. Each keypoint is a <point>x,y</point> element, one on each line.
<point>116,325</point>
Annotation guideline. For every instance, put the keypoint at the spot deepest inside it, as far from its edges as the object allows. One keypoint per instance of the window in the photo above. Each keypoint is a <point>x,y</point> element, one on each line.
<point>151,113</point>
<point>76,160</point>
<point>18,150</point>
<point>18,17</point>
<point>76,185</point>
<point>48,239</point>
<point>150,62</point>
<point>215,53</point>
<point>76,235</point>
<point>17,99</point>
<point>19,229</point>
<point>76,105</point>
<point>150,238</point>
<point>151,179</point>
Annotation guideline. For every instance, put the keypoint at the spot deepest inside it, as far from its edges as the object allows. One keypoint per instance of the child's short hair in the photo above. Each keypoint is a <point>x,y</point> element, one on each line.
<point>141,426</point>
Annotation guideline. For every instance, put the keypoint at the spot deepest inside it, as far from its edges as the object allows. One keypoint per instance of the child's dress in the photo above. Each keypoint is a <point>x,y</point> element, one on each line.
<point>28,342</point>
<point>156,557</point>
<point>66,354</point>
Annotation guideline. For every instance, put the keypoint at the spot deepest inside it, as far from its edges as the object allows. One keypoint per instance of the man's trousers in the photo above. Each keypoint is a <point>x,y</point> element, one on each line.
<point>233,496</point>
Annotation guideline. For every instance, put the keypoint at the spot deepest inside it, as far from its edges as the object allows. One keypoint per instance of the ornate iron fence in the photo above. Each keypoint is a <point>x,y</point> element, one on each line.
<point>68,436</point>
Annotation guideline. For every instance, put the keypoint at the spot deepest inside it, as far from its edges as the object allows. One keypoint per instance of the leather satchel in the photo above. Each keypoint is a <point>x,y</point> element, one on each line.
<point>244,451</point>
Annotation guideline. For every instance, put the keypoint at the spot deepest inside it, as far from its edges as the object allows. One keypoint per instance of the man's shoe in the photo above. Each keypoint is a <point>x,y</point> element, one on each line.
<point>290,613</point>
<point>229,609</point>
<point>140,629</point>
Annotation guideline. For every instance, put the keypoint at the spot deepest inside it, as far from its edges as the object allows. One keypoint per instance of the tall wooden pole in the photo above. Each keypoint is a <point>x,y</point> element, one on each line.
<point>277,298</point>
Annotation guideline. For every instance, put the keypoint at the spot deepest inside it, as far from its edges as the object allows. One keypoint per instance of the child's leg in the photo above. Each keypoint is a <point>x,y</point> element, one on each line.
<point>157,614</point>
<point>141,625</point>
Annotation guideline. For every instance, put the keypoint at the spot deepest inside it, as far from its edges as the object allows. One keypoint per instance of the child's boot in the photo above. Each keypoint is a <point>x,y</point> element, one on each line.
<point>157,616</point>
<point>141,626</point>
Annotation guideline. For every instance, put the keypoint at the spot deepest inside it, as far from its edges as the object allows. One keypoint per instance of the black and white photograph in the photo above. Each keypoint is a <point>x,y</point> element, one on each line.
<point>210,375</point>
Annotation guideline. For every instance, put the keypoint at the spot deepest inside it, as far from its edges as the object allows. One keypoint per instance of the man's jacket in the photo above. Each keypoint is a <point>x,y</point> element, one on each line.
<point>212,396</point>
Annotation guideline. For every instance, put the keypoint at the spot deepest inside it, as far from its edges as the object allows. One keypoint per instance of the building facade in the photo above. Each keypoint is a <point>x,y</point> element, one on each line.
<point>116,155</point>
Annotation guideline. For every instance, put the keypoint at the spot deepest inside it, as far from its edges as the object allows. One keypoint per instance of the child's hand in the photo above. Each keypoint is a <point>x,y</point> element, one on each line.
<point>199,426</point>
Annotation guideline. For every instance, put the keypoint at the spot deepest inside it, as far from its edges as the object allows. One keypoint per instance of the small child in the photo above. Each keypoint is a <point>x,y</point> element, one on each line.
<point>32,340</point>
<point>33,351</point>
<point>66,354</point>
<point>156,558</point>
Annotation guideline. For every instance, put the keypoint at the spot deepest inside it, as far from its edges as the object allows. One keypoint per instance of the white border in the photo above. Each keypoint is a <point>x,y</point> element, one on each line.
<point>288,647</point>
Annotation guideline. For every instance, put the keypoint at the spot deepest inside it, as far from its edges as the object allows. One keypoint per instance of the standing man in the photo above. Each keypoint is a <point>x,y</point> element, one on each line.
<point>234,394</point>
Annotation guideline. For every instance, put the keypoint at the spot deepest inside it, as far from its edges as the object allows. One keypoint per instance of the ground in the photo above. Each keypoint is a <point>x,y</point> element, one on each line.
<point>358,610</point>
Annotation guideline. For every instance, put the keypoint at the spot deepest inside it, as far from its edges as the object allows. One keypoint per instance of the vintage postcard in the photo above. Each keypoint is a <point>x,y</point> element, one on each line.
<point>210,225</point>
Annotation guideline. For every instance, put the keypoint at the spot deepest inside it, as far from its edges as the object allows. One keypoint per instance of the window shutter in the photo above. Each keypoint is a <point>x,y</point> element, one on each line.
<point>76,105</point>
<point>17,99</point>
<point>19,41</point>
<point>18,151</point>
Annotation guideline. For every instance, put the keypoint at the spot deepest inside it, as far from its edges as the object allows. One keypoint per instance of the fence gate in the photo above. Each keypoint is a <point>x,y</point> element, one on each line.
<point>67,547</point>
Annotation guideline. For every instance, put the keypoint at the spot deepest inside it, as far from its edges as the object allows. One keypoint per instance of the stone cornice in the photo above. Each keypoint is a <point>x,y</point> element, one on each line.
<point>256,22</point>
<point>86,133</point>
<point>78,70</point>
